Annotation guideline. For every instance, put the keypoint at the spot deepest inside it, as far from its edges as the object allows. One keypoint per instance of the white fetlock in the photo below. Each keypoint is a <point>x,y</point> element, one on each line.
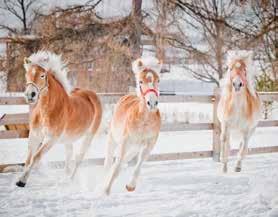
<point>224,168</point>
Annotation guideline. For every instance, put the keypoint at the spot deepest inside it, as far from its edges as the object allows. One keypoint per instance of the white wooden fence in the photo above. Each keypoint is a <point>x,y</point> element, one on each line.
<point>17,125</point>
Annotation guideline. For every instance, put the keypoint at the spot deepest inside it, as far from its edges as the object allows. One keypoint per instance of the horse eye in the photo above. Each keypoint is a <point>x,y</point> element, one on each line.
<point>42,76</point>
<point>141,82</point>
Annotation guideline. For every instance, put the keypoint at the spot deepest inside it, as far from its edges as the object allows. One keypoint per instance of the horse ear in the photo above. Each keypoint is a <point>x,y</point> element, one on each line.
<point>26,60</point>
<point>140,63</point>
<point>27,63</point>
<point>137,66</point>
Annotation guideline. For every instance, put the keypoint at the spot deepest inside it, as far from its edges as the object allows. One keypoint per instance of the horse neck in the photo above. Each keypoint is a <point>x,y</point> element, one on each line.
<point>55,97</point>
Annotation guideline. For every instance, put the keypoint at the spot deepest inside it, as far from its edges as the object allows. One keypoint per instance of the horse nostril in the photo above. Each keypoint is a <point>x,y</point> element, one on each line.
<point>148,103</point>
<point>156,103</point>
<point>33,94</point>
<point>240,84</point>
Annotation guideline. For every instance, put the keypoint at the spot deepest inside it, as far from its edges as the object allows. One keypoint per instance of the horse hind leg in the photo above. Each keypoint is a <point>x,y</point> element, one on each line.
<point>68,153</point>
<point>83,149</point>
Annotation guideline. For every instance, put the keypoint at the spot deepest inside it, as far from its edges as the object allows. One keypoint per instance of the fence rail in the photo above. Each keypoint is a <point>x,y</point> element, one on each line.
<point>110,98</point>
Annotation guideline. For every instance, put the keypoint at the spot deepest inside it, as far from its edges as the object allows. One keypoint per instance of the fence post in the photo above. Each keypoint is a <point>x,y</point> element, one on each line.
<point>216,128</point>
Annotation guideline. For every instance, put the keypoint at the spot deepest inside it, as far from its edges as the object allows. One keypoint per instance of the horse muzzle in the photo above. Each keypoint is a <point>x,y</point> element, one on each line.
<point>238,85</point>
<point>151,101</point>
<point>152,105</point>
<point>31,94</point>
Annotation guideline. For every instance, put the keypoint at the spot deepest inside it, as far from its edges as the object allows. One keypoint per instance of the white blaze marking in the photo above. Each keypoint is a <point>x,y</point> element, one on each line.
<point>150,78</point>
<point>237,65</point>
<point>33,71</point>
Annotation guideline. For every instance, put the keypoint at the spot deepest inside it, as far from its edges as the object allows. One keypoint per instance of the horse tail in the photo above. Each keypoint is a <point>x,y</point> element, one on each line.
<point>95,101</point>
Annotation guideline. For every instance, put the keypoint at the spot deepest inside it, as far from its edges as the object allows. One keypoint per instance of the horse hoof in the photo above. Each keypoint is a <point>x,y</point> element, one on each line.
<point>20,184</point>
<point>238,169</point>
<point>129,188</point>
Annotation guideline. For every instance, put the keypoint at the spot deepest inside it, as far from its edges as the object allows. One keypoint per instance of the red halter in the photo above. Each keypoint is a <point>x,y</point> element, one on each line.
<point>148,91</point>
<point>243,78</point>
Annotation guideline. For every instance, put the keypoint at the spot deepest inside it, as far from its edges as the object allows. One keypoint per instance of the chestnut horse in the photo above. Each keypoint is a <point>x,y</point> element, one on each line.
<point>59,114</point>
<point>239,106</point>
<point>135,124</point>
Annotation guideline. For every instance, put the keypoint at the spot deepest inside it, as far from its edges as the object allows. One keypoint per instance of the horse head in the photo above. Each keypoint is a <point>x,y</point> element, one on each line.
<point>36,81</point>
<point>238,64</point>
<point>147,72</point>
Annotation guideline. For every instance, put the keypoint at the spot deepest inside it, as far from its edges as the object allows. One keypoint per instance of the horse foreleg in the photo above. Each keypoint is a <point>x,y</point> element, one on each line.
<point>142,156</point>
<point>243,149</point>
<point>34,160</point>
<point>29,157</point>
<point>225,146</point>
<point>109,152</point>
<point>68,152</point>
<point>34,142</point>
<point>83,149</point>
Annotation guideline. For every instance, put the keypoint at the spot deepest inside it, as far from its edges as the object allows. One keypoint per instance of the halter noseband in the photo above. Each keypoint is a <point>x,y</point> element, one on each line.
<point>155,91</point>
<point>36,86</point>
<point>148,91</point>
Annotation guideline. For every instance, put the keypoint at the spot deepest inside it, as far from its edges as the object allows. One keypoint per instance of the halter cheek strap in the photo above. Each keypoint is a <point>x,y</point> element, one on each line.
<point>36,86</point>
<point>155,91</point>
<point>242,77</point>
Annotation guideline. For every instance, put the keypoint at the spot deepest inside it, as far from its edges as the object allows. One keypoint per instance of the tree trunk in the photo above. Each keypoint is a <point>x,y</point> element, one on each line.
<point>137,22</point>
<point>160,30</point>
<point>219,48</point>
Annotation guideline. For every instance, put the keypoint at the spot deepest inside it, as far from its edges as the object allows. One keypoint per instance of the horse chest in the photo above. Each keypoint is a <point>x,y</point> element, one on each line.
<point>238,118</point>
<point>136,133</point>
<point>141,136</point>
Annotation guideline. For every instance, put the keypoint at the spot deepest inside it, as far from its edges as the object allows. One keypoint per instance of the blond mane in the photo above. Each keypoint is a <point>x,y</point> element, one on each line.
<point>52,62</point>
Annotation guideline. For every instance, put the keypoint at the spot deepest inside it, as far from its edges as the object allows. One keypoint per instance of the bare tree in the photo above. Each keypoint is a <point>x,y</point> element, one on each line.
<point>209,21</point>
<point>205,30</point>
<point>21,10</point>
<point>265,34</point>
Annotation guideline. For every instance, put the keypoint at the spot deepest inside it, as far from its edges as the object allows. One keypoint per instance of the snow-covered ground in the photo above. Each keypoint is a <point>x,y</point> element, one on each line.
<point>189,188</point>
